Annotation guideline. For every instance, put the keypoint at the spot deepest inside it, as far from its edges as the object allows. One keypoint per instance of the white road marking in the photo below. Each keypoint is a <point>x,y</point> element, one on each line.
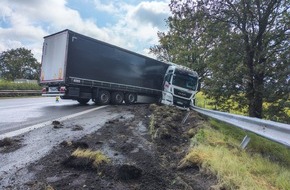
<point>40,125</point>
<point>49,103</point>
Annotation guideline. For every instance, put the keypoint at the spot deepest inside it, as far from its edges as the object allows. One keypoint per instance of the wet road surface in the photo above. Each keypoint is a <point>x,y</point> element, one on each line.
<point>17,113</point>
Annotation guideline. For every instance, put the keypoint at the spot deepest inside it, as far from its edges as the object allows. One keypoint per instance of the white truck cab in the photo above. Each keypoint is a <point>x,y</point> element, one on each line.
<point>180,86</point>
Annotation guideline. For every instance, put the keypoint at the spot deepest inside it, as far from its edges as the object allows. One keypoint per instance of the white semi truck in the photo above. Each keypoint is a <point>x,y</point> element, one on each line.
<point>81,68</point>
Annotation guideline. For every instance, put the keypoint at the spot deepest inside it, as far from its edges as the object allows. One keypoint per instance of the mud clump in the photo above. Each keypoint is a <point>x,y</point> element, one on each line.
<point>77,128</point>
<point>78,163</point>
<point>57,124</point>
<point>6,142</point>
<point>129,172</point>
<point>9,145</point>
<point>75,144</point>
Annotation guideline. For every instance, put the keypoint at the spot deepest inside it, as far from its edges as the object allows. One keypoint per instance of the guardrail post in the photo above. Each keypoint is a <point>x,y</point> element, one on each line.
<point>185,118</point>
<point>245,142</point>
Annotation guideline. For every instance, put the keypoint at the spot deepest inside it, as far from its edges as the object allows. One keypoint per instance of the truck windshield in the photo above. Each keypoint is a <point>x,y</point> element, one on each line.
<point>185,81</point>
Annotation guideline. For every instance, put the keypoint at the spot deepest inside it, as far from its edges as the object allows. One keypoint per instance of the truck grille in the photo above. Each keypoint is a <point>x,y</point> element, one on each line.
<point>181,102</point>
<point>182,93</point>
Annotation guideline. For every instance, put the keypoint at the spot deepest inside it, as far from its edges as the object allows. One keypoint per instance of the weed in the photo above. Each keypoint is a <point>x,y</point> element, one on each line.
<point>96,156</point>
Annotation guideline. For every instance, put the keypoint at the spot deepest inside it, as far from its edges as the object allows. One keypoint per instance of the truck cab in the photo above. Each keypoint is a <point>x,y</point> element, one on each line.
<point>180,86</point>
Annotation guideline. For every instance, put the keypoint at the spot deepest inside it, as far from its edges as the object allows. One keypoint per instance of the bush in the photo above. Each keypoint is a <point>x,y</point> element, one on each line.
<point>7,85</point>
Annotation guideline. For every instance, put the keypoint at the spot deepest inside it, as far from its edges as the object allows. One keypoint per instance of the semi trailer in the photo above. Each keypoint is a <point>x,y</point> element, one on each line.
<point>78,67</point>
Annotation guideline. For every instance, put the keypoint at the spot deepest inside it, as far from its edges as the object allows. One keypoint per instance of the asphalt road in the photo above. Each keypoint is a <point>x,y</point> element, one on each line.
<point>17,113</point>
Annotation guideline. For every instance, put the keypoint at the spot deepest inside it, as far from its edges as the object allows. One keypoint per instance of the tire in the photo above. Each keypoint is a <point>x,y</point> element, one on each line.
<point>117,98</point>
<point>130,98</point>
<point>83,101</point>
<point>104,97</point>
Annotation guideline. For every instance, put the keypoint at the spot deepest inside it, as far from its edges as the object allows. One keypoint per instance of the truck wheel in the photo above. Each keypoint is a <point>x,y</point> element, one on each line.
<point>130,98</point>
<point>83,101</point>
<point>104,97</point>
<point>117,97</point>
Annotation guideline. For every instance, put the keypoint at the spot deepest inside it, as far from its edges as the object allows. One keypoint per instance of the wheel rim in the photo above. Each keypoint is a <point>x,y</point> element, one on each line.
<point>104,98</point>
<point>119,98</point>
<point>131,98</point>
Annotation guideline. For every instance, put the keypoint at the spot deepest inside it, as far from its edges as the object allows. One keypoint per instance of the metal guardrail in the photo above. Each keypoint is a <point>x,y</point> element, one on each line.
<point>275,131</point>
<point>7,92</point>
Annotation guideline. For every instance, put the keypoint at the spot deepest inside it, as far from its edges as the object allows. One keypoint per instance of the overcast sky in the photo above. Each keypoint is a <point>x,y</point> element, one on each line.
<point>131,24</point>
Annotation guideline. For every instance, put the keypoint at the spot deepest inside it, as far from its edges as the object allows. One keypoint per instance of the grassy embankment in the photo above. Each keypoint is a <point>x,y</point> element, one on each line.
<point>263,165</point>
<point>216,149</point>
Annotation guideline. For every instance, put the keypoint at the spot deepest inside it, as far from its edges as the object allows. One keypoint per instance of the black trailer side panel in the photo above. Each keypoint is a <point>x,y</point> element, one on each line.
<point>95,60</point>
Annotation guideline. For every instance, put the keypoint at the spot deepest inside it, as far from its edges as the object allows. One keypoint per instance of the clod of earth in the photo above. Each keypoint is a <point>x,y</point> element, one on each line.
<point>129,172</point>
<point>86,159</point>
<point>79,163</point>
<point>77,128</point>
<point>80,144</point>
<point>6,142</point>
<point>9,145</point>
<point>75,144</point>
<point>57,124</point>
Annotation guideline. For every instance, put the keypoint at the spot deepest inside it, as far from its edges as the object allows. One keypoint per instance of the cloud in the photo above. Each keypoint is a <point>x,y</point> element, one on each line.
<point>153,13</point>
<point>141,22</point>
<point>109,7</point>
<point>25,23</point>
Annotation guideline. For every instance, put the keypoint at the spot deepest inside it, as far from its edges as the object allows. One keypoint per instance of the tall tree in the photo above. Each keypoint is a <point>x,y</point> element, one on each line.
<point>18,63</point>
<point>244,45</point>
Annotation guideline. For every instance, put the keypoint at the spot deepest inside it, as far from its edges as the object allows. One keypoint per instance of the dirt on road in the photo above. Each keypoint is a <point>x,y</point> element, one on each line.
<point>142,152</point>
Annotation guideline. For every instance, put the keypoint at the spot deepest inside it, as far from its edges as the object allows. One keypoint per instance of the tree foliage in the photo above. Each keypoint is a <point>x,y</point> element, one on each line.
<point>18,64</point>
<point>240,48</point>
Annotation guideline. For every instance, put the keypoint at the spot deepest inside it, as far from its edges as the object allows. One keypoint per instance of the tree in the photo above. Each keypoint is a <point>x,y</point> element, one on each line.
<point>244,46</point>
<point>18,63</point>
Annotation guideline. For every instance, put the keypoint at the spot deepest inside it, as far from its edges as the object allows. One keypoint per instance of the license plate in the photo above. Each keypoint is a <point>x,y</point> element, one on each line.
<point>52,89</point>
<point>179,103</point>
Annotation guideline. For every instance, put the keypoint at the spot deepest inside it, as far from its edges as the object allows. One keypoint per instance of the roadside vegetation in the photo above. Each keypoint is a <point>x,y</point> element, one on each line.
<point>262,165</point>
<point>274,111</point>
<point>7,85</point>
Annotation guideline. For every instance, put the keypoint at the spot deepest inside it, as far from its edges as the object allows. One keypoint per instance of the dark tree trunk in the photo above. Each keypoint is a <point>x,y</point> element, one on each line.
<point>256,97</point>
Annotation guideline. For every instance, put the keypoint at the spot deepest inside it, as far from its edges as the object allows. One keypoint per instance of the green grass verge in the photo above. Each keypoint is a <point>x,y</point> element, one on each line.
<point>6,85</point>
<point>263,165</point>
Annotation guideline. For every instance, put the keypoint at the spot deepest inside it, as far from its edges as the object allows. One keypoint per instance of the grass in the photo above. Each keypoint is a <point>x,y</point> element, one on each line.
<point>96,156</point>
<point>263,165</point>
<point>7,85</point>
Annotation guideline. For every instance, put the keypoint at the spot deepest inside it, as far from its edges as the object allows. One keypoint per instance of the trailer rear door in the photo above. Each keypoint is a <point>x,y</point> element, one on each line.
<point>54,58</point>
